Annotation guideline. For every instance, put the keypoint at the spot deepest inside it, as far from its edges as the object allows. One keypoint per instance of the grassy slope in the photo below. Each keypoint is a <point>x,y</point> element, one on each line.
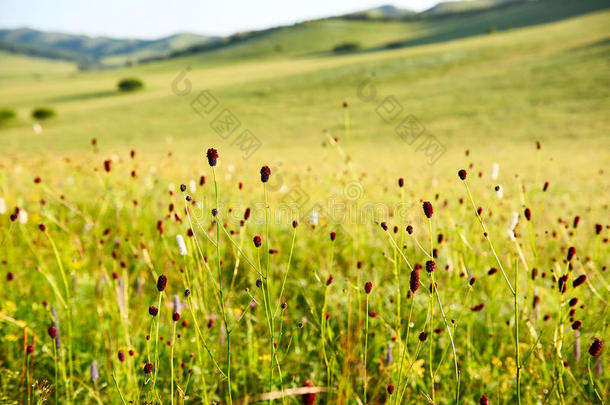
<point>545,82</point>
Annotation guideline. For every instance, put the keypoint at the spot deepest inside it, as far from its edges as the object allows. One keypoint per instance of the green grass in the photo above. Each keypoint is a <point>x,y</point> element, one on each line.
<point>486,98</point>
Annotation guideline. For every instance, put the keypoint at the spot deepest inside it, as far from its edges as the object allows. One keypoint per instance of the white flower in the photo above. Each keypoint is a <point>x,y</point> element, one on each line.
<point>2,206</point>
<point>495,169</point>
<point>181,245</point>
<point>87,228</point>
<point>513,224</point>
<point>23,216</point>
<point>314,218</point>
<point>192,186</point>
<point>37,128</point>
<point>500,192</point>
<point>171,187</point>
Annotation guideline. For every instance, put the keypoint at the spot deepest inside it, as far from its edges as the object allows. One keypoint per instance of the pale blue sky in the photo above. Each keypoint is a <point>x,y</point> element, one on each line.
<point>155,18</point>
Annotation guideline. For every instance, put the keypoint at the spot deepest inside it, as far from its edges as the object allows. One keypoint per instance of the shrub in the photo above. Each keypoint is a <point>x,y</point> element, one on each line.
<point>346,47</point>
<point>130,84</point>
<point>43,113</point>
<point>6,114</point>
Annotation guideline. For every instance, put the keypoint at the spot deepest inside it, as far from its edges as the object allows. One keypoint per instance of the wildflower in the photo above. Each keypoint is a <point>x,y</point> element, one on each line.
<point>576,221</point>
<point>368,286</point>
<point>187,292</point>
<point>414,282</point>
<point>214,212</point>
<point>3,207</point>
<point>430,265</point>
<point>499,191</point>
<point>29,349</point>
<point>175,316</point>
<point>573,302</point>
<point>492,271</point>
<point>153,310</point>
<point>284,305</point>
<point>182,187</point>
<point>308,399</point>
<point>10,276</point>
<point>181,245</point>
<point>390,389</point>
<point>472,280</point>
<point>423,336</point>
<point>202,180</point>
<point>23,217</point>
<point>562,284</point>
<point>495,170</point>
<point>478,308</point>
<point>462,174</point>
<point>121,356</point>
<point>259,282</point>
<point>148,368</point>
<point>107,165</point>
<point>161,283</point>
<point>389,359</point>
<point>409,229</point>
<point>596,348</point>
<point>314,218</point>
<point>265,173</point>
<point>401,182</point>
<point>571,253</point>
<point>295,223</point>
<point>257,241</point>
<point>373,314</point>
<point>576,325</point>
<point>384,226</point>
<point>247,214</point>
<point>94,371</point>
<point>598,227</point>
<point>212,156</point>
<point>546,186</point>
<point>579,280</point>
<point>428,209</point>
<point>483,400</point>
<point>52,332</point>
<point>528,214</point>
<point>333,236</point>
<point>330,280</point>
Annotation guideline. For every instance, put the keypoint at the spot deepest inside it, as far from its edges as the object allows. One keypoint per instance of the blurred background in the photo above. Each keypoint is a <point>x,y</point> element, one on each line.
<point>271,77</point>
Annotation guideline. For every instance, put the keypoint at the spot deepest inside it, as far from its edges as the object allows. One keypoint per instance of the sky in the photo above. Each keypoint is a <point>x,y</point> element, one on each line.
<point>149,19</point>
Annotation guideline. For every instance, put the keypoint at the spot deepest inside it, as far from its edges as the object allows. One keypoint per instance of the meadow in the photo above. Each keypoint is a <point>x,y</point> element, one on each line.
<point>135,271</point>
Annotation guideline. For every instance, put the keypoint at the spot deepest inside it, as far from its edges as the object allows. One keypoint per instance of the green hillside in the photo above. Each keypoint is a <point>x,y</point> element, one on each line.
<point>547,81</point>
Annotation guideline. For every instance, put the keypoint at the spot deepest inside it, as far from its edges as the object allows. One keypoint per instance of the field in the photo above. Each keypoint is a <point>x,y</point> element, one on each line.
<point>91,207</point>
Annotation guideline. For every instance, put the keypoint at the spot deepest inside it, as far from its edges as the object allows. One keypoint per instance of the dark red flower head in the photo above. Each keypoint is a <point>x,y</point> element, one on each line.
<point>265,173</point>
<point>576,325</point>
<point>423,336</point>
<point>148,368</point>
<point>153,310</point>
<point>212,156</point>
<point>596,348</point>
<point>52,332</point>
<point>161,283</point>
<point>462,174</point>
<point>483,400</point>
<point>107,165</point>
<point>333,236</point>
<point>414,282</point>
<point>257,241</point>
<point>247,214</point>
<point>295,223</point>
<point>428,209</point>
<point>430,265</point>
<point>528,214</point>
<point>598,229</point>
<point>42,227</point>
<point>121,356</point>
<point>571,253</point>
<point>330,280</point>
<point>409,229</point>
<point>390,389</point>
<point>401,182</point>
<point>176,316</point>
<point>308,399</point>
<point>384,226</point>
<point>579,280</point>
<point>368,286</point>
